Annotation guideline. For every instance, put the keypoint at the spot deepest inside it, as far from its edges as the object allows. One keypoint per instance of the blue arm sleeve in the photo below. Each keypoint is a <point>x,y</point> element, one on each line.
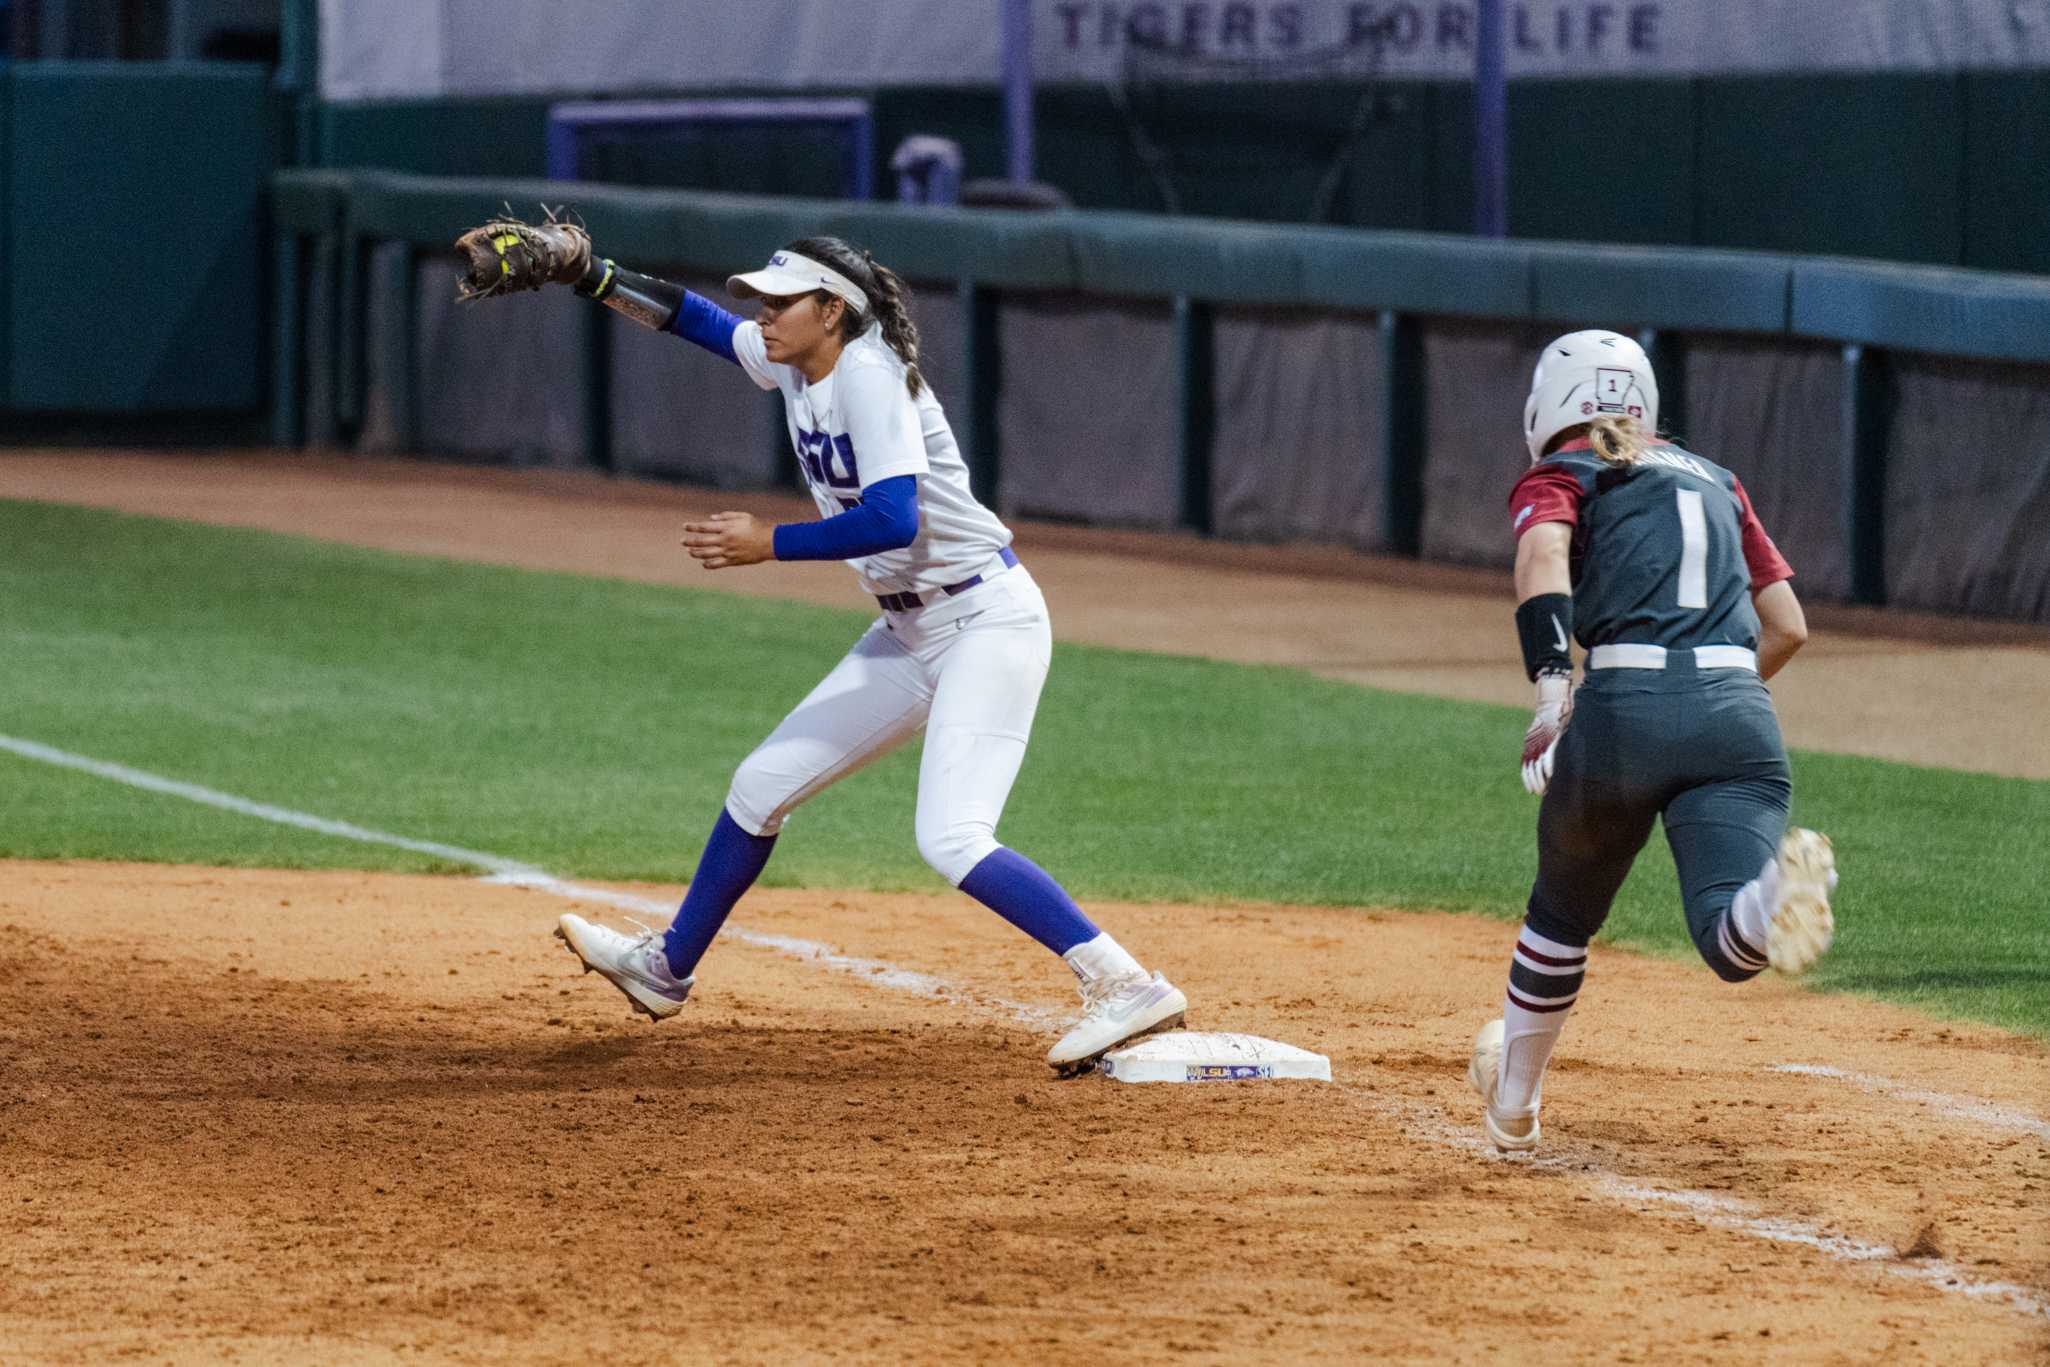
<point>704,322</point>
<point>886,519</point>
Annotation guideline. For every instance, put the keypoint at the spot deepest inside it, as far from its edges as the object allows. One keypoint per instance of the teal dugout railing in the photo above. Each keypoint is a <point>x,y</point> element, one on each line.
<point>1888,347</point>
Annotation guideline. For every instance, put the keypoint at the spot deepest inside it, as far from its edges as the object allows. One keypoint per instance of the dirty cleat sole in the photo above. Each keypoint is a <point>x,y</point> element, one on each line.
<point>589,944</point>
<point>1802,925</point>
<point>1116,1011</point>
<point>1078,1067</point>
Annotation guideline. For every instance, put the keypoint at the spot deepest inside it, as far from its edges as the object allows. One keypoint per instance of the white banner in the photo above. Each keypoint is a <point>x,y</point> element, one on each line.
<point>1093,39</point>
<point>386,49</point>
<point>373,49</point>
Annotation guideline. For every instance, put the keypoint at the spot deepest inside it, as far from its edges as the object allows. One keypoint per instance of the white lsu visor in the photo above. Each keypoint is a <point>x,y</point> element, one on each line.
<point>789,274</point>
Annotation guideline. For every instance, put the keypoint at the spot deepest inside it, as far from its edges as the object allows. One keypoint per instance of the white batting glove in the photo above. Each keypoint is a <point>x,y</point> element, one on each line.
<point>1541,742</point>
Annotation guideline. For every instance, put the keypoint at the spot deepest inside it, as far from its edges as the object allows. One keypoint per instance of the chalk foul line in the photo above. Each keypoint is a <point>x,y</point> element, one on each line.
<point>1424,1122</point>
<point>513,872</point>
<point>1706,1208</point>
<point>1944,1103</point>
<point>1724,1213</point>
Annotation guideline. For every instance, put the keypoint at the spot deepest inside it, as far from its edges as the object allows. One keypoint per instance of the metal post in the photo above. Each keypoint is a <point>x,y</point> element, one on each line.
<point>298,73</point>
<point>1491,120</point>
<point>784,472</point>
<point>9,346</point>
<point>597,338</point>
<point>287,334</point>
<point>563,148</point>
<point>1017,58</point>
<point>181,42</point>
<point>1403,433</point>
<point>1669,363</point>
<point>1864,465</point>
<point>983,368</point>
<point>323,311</point>
<point>1196,362</point>
<point>403,349</point>
<point>861,153</point>
<point>352,329</point>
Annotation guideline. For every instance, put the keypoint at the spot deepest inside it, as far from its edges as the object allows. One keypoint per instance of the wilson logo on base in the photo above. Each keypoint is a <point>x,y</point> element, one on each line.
<point>1228,1072</point>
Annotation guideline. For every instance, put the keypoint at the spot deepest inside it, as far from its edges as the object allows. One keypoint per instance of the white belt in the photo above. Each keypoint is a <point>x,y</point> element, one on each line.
<point>1654,657</point>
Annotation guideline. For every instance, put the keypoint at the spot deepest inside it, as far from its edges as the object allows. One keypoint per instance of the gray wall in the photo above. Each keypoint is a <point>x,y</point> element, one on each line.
<point>1087,415</point>
<point>680,412</point>
<point>1297,452</point>
<point>1772,411</point>
<point>1968,488</point>
<point>1476,378</point>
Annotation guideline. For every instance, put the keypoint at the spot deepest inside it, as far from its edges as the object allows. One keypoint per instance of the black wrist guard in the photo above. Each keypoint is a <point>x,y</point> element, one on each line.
<point>1544,625</point>
<point>650,302</point>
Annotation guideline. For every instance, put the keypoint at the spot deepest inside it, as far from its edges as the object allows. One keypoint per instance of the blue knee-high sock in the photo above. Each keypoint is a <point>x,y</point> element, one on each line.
<point>732,861</point>
<point>1024,894</point>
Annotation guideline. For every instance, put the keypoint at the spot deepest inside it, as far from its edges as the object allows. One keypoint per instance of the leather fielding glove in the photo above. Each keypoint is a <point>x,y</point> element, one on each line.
<point>506,256</point>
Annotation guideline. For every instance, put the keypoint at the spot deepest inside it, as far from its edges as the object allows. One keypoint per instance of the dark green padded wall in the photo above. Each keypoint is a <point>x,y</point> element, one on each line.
<point>1608,161</point>
<point>1907,167</point>
<point>1391,171</point>
<point>156,173</point>
<point>2007,171</point>
<point>1603,159</point>
<point>471,137</point>
<point>1223,163</point>
<point>1838,165</point>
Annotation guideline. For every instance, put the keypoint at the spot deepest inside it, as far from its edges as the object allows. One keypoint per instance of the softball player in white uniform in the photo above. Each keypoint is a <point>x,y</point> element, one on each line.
<point>961,648</point>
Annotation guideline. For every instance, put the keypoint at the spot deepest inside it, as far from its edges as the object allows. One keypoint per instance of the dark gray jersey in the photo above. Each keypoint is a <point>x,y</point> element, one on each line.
<point>1666,552</point>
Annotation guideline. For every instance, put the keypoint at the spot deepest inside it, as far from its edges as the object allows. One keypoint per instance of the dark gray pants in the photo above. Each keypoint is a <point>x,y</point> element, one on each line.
<point>1700,748</point>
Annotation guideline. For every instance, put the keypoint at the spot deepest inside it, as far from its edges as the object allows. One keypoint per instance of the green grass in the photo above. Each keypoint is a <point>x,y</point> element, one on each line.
<point>590,726</point>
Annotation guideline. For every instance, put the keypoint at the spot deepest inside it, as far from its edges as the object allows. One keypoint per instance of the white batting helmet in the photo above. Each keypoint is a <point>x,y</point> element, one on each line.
<point>1583,375</point>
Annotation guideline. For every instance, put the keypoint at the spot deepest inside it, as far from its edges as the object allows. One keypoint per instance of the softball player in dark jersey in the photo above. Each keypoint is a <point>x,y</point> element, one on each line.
<point>1653,558</point>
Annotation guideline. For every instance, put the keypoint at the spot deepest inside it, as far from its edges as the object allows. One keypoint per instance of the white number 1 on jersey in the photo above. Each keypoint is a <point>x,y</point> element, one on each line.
<point>1693,550</point>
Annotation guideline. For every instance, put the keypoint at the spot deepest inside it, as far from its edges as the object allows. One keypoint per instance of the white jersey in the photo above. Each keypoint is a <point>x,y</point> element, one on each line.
<point>860,425</point>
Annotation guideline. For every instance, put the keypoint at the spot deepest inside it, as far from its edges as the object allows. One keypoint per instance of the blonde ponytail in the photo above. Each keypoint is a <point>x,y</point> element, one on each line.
<point>1619,441</point>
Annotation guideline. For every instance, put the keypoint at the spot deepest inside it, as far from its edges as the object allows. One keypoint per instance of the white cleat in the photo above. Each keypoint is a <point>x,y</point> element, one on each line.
<point>1114,1011</point>
<point>635,964</point>
<point>1509,1131</point>
<point>1802,927</point>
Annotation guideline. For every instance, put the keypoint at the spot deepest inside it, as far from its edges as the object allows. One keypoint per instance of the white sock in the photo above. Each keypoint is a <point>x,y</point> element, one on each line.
<point>1102,957</point>
<point>1750,916</point>
<point>1544,982</point>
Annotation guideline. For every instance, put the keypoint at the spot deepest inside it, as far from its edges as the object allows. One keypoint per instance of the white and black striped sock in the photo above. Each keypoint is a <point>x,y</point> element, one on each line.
<point>1741,932</point>
<point>1544,982</point>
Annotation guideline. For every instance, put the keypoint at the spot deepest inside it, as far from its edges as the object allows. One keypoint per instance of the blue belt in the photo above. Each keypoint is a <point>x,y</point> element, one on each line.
<point>905,602</point>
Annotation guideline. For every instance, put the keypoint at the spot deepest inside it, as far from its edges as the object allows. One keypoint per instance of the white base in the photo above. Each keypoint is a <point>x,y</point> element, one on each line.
<point>1209,1056</point>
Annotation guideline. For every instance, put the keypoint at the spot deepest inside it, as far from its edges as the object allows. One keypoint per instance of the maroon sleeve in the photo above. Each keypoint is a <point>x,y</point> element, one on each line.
<point>1761,557</point>
<point>1546,493</point>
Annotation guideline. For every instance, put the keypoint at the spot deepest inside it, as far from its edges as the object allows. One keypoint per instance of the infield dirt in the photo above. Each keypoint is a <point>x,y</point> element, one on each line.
<point>336,1118</point>
<point>349,1118</point>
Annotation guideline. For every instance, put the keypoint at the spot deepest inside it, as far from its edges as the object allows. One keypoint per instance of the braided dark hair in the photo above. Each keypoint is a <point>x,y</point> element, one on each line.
<point>888,296</point>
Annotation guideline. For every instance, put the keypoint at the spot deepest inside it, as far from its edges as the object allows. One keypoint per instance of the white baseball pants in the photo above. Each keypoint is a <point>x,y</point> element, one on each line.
<point>967,669</point>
